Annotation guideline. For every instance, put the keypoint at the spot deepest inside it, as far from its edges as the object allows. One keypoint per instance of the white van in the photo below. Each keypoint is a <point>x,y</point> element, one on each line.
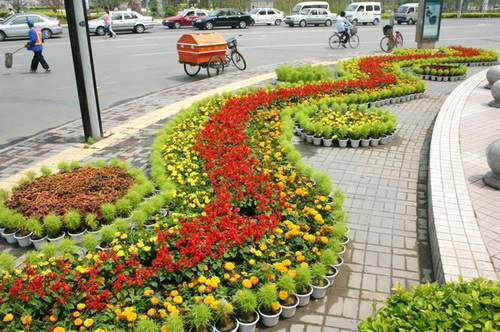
<point>364,12</point>
<point>309,4</point>
<point>407,13</point>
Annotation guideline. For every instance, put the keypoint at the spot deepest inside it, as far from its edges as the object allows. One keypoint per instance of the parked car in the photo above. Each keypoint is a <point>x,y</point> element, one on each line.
<point>225,17</point>
<point>122,21</point>
<point>313,16</point>
<point>266,16</point>
<point>298,8</point>
<point>184,19</point>
<point>364,12</point>
<point>15,26</point>
<point>407,13</point>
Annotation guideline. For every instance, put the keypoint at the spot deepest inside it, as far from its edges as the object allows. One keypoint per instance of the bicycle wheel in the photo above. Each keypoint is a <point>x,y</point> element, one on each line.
<point>399,39</point>
<point>334,41</point>
<point>215,66</point>
<point>354,41</point>
<point>238,60</point>
<point>385,44</point>
<point>191,70</point>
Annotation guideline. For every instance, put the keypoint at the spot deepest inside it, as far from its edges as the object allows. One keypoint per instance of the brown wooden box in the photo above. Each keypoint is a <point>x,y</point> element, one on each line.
<point>199,48</point>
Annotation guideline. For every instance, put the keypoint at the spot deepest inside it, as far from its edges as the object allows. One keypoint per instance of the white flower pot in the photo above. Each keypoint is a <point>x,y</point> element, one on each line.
<point>77,238</point>
<point>317,140</point>
<point>304,298</point>
<point>319,292</point>
<point>23,241</point>
<point>9,237</point>
<point>365,142</point>
<point>270,320</point>
<point>343,143</point>
<point>248,327</point>
<point>342,251</point>
<point>2,229</point>
<point>331,278</point>
<point>57,239</point>
<point>340,262</point>
<point>355,142</point>
<point>345,240</point>
<point>327,142</point>
<point>39,242</point>
<point>289,311</point>
<point>309,138</point>
<point>374,141</point>
<point>214,328</point>
<point>383,140</point>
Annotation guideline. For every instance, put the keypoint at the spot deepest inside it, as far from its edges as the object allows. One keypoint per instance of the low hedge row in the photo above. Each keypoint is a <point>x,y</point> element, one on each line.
<point>303,74</point>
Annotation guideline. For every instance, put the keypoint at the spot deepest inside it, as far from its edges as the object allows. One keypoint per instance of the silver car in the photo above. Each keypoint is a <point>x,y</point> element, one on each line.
<point>14,26</point>
<point>311,16</point>
<point>122,21</point>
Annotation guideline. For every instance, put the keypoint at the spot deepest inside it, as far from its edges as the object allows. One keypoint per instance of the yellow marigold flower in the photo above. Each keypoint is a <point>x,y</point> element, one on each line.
<point>131,316</point>
<point>78,322</point>
<point>178,299</point>
<point>202,289</point>
<point>88,322</point>
<point>229,266</point>
<point>304,264</point>
<point>155,300</point>
<point>247,283</point>
<point>26,319</point>
<point>251,261</point>
<point>197,299</point>
<point>226,276</point>
<point>283,295</point>
<point>148,292</point>
<point>151,312</point>
<point>214,282</point>
<point>59,329</point>
<point>53,318</point>
<point>292,273</point>
<point>318,218</point>
<point>76,314</point>
<point>8,318</point>
<point>276,306</point>
<point>254,280</point>
<point>209,299</point>
<point>164,328</point>
<point>100,330</point>
<point>174,293</point>
<point>202,279</point>
<point>162,312</point>
<point>80,306</point>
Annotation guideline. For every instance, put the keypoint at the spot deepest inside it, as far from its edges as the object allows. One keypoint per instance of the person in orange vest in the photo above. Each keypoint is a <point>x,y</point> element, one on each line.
<point>35,45</point>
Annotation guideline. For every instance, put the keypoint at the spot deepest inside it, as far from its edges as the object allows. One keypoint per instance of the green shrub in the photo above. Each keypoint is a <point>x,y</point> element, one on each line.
<point>7,262</point>
<point>108,233</point>
<point>455,306</point>
<point>304,73</point>
<point>146,325</point>
<point>303,279</point>
<point>92,222</point>
<point>174,323</point>
<point>200,317</point>
<point>35,227</point>
<point>108,212</point>
<point>285,282</point>
<point>52,225</point>
<point>89,241</point>
<point>246,302</point>
<point>318,272</point>
<point>267,295</point>
<point>72,221</point>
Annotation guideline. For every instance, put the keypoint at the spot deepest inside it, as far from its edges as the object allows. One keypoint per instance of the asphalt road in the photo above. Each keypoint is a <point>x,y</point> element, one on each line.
<point>134,65</point>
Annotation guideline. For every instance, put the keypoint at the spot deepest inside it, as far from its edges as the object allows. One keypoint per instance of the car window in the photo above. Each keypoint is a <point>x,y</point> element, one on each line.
<point>133,15</point>
<point>200,13</point>
<point>304,12</point>
<point>270,12</point>
<point>262,12</point>
<point>369,8</point>
<point>377,8</point>
<point>127,16</point>
<point>361,9</point>
<point>117,16</point>
<point>36,19</point>
<point>19,20</point>
<point>351,7</point>
<point>190,13</point>
<point>411,10</point>
<point>313,12</point>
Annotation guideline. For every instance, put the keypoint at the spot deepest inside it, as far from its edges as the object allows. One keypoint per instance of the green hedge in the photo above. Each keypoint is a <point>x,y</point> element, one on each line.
<point>303,74</point>
<point>456,306</point>
<point>472,15</point>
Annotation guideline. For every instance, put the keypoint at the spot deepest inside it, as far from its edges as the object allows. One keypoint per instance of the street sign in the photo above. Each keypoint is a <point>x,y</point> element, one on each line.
<point>429,22</point>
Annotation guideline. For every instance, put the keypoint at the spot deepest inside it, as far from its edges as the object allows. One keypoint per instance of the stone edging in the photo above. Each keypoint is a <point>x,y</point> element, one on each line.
<point>454,234</point>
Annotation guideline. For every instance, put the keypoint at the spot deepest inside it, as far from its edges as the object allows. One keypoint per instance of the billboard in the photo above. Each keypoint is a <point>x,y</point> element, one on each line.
<point>430,20</point>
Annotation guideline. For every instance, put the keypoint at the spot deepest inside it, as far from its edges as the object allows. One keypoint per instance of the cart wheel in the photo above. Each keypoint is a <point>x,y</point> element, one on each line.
<point>215,66</point>
<point>191,70</point>
<point>239,60</point>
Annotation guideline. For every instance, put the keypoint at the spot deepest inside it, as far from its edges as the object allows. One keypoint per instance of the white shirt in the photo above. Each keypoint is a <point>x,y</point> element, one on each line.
<point>342,23</point>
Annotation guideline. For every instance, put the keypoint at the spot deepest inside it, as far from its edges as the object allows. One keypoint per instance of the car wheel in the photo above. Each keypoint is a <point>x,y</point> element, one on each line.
<point>2,36</point>
<point>411,22</point>
<point>177,25</point>
<point>277,22</point>
<point>243,25</point>
<point>399,22</point>
<point>209,25</point>
<point>100,31</point>
<point>355,21</point>
<point>139,28</point>
<point>328,23</point>
<point>291,25</point>
<point>364,23</point>
<point>375,21</point>
<point>47,33</point>
<point>302,23</point>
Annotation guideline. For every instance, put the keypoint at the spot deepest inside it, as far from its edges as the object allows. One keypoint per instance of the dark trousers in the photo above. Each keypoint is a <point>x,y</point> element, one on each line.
<point>344,36</point>
<point>38,58</point>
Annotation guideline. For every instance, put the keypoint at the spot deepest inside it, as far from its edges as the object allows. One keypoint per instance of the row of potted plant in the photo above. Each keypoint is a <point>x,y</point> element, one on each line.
<point>303,73</point>
<point>73,201</point>
<point>444,72</point>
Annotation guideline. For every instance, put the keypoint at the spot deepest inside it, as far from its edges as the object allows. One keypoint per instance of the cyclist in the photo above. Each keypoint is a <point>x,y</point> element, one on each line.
<point>342,26</point>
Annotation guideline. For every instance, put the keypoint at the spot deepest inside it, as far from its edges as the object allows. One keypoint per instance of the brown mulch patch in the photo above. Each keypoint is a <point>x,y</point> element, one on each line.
<point>83,188</point>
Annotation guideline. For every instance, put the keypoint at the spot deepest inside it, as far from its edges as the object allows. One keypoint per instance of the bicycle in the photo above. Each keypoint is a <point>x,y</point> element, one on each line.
<point>391,39</point>
<point>232,55</point>
<point>336,39</point>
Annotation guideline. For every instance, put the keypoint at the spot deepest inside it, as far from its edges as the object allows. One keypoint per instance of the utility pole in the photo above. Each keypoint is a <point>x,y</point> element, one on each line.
<point>460,6</point>
<point>76,13</point>
<point>484,6</point>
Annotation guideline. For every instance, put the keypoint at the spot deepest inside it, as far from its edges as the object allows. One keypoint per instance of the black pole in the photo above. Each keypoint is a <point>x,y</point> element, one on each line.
<point>76,14</point>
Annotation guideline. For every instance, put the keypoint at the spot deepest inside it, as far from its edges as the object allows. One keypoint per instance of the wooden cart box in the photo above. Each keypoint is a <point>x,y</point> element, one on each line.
<point>199,48</point>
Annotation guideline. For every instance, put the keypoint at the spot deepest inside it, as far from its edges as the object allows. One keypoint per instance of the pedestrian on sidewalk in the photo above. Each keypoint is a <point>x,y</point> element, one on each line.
<point>108,22</point>
<point>35,45</point>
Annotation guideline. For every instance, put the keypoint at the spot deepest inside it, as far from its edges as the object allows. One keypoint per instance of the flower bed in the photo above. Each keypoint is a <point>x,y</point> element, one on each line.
<point>74,200</point>
<point>440,72</point>
<point>250,225</point>
<point>303,73</point>
<point>326,123</point>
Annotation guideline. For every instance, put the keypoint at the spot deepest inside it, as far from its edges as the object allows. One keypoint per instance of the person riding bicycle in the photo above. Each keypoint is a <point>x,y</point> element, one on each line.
<point>342,26</point>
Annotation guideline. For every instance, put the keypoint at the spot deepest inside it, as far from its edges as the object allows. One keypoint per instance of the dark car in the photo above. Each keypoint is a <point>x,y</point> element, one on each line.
<point>225,17</point>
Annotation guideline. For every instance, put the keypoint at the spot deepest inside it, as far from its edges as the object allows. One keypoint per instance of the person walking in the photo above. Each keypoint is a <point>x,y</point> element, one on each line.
<point>108,22</point>
<point>35,44</point>
<point>342,26</point>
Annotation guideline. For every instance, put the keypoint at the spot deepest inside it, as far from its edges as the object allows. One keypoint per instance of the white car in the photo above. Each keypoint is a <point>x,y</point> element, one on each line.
<point>123,21</point>
<point>364,12</point>
<point>267,16</point>
<point>313,16</point>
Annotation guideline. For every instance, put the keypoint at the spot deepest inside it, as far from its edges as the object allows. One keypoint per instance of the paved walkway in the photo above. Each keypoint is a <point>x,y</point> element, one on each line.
<point>480,126</point>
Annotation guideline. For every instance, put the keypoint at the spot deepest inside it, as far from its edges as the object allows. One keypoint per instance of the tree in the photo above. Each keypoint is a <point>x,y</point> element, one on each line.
<point>18,5</point>
<point>55,5</point>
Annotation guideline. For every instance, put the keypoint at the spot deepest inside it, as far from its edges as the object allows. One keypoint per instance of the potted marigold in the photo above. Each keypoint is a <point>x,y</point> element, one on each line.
<point>38,236</point>
<point>73,223</point>
<point>200,318</point>
<point>327,136</point>
<point>23,234</point>
<point>319,282</point>
<point>269,307</point>
<point>11,225</point>
<point>288,300</point>
<point>303,285</point>
<point>246,303</point>
<point>53,226</point>
<point>225,321</point>
<point>328,258</point>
